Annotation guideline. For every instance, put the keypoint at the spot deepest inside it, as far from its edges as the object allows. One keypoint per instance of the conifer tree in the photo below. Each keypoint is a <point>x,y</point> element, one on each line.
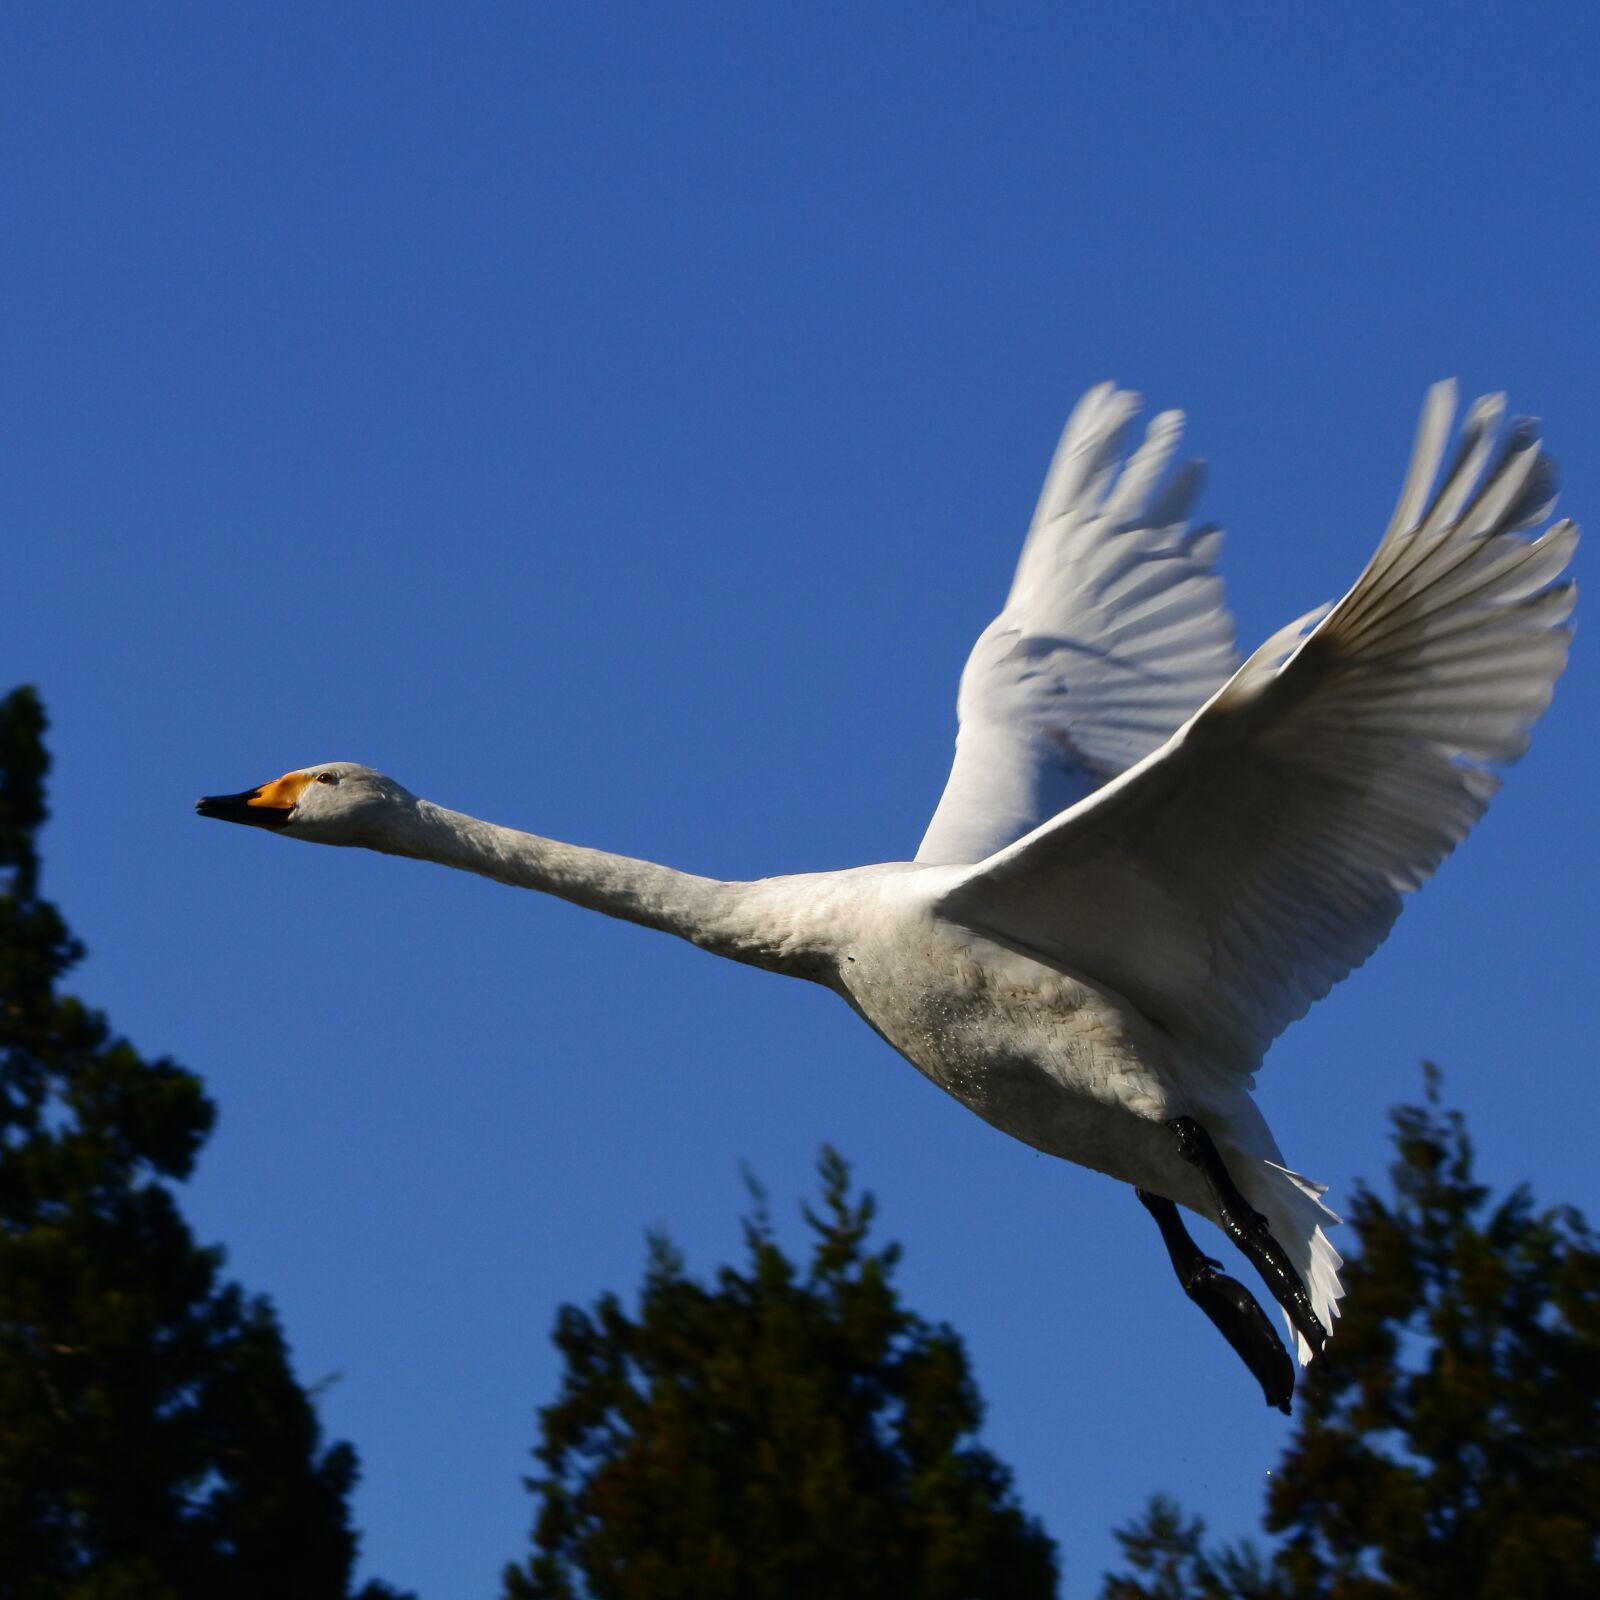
<point>154,1444</point>
<point>1451,1450</point>
<point>787,1433</point>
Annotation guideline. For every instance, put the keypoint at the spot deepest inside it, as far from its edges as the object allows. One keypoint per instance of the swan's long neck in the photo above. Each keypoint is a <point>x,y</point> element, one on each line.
<point>744,921</point>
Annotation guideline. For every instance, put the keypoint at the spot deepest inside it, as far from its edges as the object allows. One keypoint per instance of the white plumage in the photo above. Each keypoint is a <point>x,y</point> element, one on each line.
<point>1148,859</point>
<point>1279,825</point>
<point>1113,633</point>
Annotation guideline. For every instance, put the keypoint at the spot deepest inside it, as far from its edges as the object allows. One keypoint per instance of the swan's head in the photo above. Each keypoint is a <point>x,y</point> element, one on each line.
<point>337,802</point>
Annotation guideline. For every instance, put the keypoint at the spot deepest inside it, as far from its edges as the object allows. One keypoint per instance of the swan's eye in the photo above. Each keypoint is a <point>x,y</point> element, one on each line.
<point>327,777</point>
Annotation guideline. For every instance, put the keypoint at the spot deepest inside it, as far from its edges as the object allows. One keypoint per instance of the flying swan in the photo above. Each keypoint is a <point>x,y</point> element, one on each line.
<point>1149,858</point>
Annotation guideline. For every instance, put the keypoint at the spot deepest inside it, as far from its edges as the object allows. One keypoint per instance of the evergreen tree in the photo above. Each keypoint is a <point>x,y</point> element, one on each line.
<point>1451,1451</point>
<point>785,1434</point>
<point>154,1444</point>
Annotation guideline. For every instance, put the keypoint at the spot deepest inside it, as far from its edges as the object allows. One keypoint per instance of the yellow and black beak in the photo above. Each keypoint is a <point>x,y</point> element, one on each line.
<point>270,806</point>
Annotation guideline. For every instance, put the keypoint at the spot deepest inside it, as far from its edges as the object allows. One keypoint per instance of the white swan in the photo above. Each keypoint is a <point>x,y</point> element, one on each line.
<point>1148,859</point>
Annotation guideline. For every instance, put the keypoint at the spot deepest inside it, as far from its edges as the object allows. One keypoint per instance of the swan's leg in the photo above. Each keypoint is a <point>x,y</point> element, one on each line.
<point>1228,1303</point>
<point>1248,1229</point>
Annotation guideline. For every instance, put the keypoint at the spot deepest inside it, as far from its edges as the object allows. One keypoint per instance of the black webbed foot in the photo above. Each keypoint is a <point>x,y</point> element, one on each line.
<point>1230,1306</point>
<point>1248,1229</point>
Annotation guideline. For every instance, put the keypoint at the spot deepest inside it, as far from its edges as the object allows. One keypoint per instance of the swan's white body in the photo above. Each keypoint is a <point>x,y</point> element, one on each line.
<point>1148,860</point>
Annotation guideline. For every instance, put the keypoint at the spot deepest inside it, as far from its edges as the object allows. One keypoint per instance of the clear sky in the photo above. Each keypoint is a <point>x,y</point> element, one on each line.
<point>618,420</point>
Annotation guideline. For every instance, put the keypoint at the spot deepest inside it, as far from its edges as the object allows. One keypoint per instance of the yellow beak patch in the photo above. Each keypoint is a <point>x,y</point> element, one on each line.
<point>282,794</point>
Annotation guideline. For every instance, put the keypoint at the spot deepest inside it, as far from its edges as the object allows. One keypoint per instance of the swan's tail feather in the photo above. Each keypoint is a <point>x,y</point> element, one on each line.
<point>1296,1214</point>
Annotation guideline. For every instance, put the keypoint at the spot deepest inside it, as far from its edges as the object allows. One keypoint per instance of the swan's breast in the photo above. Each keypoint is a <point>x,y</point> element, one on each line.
<point>1044,1054</point>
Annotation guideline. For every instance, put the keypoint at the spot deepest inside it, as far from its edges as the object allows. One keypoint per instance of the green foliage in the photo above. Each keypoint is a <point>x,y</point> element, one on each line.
<point>154,1444</point>
<point>1452,1449</point>
<point>1167,1553</point>
<point>789,1432</point>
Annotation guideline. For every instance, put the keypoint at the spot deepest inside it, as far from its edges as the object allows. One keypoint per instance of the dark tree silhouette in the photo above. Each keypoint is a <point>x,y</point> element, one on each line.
<point>154,1444</point>
<point>1451,1451</point>
<point>785,1434</point>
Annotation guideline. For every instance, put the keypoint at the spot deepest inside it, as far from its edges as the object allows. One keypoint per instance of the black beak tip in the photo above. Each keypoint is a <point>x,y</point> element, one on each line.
<point>239,808</point>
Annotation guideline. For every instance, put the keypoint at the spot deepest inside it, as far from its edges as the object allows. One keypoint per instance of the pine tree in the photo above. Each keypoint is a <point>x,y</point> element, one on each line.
<point>154,1444</point>
<point>1451,1450</point>
<point>785,1434</point>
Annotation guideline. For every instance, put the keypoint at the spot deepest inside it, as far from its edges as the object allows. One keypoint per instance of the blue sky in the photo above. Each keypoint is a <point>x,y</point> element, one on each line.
<point>618,421</point>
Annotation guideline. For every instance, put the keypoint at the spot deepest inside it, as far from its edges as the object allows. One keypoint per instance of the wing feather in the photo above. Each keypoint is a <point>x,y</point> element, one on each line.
<point>1232,877</point>
<point>1113,633</point>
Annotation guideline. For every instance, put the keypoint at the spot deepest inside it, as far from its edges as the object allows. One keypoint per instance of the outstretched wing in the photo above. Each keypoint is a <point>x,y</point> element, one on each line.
<point>1233,877</point>
<point>1114,632</point>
